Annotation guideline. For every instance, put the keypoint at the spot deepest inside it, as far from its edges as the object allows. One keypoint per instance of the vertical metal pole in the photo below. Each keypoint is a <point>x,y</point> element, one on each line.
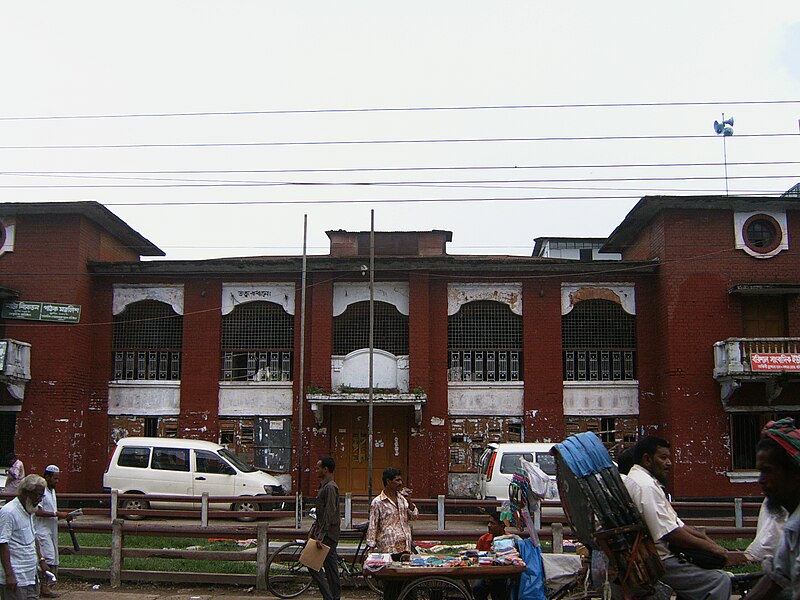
<point>738,516</point>
<point>371,347</point>
<point>298,505</point>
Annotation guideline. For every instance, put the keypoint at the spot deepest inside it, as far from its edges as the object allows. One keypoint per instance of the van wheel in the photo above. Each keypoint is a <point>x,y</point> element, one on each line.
<point>246,506</point>
<point>135,504</point>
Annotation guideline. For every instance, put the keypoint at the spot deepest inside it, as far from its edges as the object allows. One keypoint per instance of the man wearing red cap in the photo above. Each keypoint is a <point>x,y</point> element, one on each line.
<point>778,463</point>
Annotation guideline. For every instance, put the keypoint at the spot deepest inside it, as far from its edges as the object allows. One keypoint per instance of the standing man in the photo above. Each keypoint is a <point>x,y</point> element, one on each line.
<point>19,554</point>
<point>389,515</point>
<point>389,529</point>
<point>778,463</point>
<point>645,483</point>
<point>46,523</point>
<point>325,530</point>
<point>16,472</point>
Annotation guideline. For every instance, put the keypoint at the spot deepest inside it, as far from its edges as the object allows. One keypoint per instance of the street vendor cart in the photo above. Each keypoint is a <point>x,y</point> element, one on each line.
<point>441,583</point>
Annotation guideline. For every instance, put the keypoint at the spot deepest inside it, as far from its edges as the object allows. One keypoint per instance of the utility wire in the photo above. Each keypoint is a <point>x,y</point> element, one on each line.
<point>392,169</point>
<point>403,109</point>
<point>387,142</point>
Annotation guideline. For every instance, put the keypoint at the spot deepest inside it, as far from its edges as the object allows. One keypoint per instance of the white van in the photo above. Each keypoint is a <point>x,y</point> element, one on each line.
<point>499,462</point>
<point>180,467</point>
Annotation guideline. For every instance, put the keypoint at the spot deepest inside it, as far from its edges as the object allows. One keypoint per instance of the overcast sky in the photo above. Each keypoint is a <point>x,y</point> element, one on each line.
<point>213,185</point>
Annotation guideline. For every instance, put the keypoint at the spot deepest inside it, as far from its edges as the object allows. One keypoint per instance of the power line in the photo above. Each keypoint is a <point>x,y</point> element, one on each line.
<point>387,142</point>
<point>404,109</point>
<point>433,168</point>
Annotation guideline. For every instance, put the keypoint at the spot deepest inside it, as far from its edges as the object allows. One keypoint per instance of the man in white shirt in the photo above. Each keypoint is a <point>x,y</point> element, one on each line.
<point>645,483</point>
<point>778,463</point>
<point>19,554</point>
<point>46,523</point>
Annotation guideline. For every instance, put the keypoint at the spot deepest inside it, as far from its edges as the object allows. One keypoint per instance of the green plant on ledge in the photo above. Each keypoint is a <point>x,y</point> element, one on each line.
<point>314,389</point>
<point>418,391</point>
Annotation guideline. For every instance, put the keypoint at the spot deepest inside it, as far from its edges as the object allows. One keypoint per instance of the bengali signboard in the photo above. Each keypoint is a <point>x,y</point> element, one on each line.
<point>781,361</point>
<point>42,311</point>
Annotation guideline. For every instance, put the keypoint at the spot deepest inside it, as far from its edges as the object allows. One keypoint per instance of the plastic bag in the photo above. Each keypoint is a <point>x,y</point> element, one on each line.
<point>531,581</point>
<point>538,480</point>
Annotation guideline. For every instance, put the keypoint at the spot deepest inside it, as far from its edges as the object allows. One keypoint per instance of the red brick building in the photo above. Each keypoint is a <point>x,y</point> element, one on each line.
<point>685,322</point>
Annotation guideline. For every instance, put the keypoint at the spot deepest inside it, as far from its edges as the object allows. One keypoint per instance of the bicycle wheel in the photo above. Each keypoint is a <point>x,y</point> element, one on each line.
<point>372,583</point>
<point>286,577</point>
<point>435,588</point>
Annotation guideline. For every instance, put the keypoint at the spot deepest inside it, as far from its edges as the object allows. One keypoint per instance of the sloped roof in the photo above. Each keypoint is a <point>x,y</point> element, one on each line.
<point>91,210</point>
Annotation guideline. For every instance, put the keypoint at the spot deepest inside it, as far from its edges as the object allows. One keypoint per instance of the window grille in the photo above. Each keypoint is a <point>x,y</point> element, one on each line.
<point>746,433</point>
<point>146,342</point>
<point>351,329</point>
<point>257,343</point>
<point>616,433</point>
<point>485,343</point>
<point>599,342</point>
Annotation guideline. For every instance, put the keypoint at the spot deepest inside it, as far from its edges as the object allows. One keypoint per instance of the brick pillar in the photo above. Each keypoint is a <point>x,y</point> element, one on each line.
<point>202,326</point>
<point>319,344</point>
<point>541,326</point>
<point>429,443</point>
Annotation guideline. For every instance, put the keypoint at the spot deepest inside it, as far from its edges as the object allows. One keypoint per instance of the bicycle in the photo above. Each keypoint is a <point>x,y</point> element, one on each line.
<point>288,578</point>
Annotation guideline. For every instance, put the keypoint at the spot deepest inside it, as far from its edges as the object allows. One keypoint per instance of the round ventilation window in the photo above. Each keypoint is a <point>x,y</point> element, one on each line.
<point>762,233</point>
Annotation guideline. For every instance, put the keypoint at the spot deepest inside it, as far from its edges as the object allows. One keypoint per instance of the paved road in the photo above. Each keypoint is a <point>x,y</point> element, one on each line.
<point>73,590</point>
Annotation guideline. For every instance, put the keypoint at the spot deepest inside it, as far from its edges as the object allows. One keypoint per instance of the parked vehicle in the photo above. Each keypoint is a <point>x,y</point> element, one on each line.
<point>182,467</point>
<point>499,462</point>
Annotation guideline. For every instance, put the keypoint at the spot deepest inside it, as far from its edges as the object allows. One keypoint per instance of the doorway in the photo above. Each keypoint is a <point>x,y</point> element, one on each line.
<point>350,442</point>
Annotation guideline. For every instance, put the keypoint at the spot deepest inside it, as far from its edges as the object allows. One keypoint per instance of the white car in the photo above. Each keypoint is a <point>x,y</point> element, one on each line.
<point>183,467</point>
<point>499,462</point>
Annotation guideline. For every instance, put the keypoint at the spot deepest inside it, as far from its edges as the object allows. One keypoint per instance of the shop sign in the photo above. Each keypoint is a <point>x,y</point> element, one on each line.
<point>42,311</point>
<point>782,361</point>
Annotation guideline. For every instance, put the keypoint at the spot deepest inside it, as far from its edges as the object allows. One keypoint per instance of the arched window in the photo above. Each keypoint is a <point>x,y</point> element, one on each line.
<point>147,340</point>
<point>484,340</point>
<point>599,342</point>
<point>351,329</point>
<point>257,343</point>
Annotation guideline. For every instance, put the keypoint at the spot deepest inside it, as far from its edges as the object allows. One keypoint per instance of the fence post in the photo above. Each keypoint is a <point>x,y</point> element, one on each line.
<point>348,510</point>
<point>440,512</point>
<point>204,510</point>
<point>558,538</point>
<point>739,517</point>
<point>537,517</point>
<point>114,504</point>
<point>262,556</point>
<point>117,542</point>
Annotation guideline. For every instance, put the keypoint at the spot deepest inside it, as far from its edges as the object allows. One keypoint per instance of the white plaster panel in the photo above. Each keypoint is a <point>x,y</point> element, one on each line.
<point>234,294</point>
<point>608,398</point>
<point>459,294</point>
<point>489,399</point>
<point>10,226</point>
<point>739,220</point>
<point>352,370</point>
<point>125,294</point>
<point>623,292</point>
<point>145,398</point>
<point>255,399</point>
<point>345,294</point>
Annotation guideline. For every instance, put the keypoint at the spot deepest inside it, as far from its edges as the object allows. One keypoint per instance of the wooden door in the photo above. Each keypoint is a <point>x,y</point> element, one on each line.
<point>764,316</point>
<point>350,443</point>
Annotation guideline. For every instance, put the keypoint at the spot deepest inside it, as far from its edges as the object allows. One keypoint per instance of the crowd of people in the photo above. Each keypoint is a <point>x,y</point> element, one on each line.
<point>693,563</point>
<point>29,533</point>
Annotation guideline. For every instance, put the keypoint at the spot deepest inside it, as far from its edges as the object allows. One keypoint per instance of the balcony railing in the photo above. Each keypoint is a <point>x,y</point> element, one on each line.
<point>257,365</point>
<point>153,365</point>
<point>485,365</point>
<point>599,364</point>
<point>737,360</point>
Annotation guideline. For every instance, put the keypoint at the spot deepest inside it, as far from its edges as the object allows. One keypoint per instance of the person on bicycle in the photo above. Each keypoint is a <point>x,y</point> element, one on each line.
<point>645,483</point>
<point>326,529</point>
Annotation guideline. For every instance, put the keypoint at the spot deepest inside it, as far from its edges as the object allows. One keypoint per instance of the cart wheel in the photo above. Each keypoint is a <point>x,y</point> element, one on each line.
<point>435,588</point>
<point>286,577</point>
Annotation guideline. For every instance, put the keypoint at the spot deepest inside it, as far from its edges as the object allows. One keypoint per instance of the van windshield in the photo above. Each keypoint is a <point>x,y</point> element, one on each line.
<point>237,462</point>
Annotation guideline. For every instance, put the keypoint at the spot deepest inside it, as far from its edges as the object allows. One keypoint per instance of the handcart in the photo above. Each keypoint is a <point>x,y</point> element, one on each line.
<point>603,516</point>
<point>442,583</point>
